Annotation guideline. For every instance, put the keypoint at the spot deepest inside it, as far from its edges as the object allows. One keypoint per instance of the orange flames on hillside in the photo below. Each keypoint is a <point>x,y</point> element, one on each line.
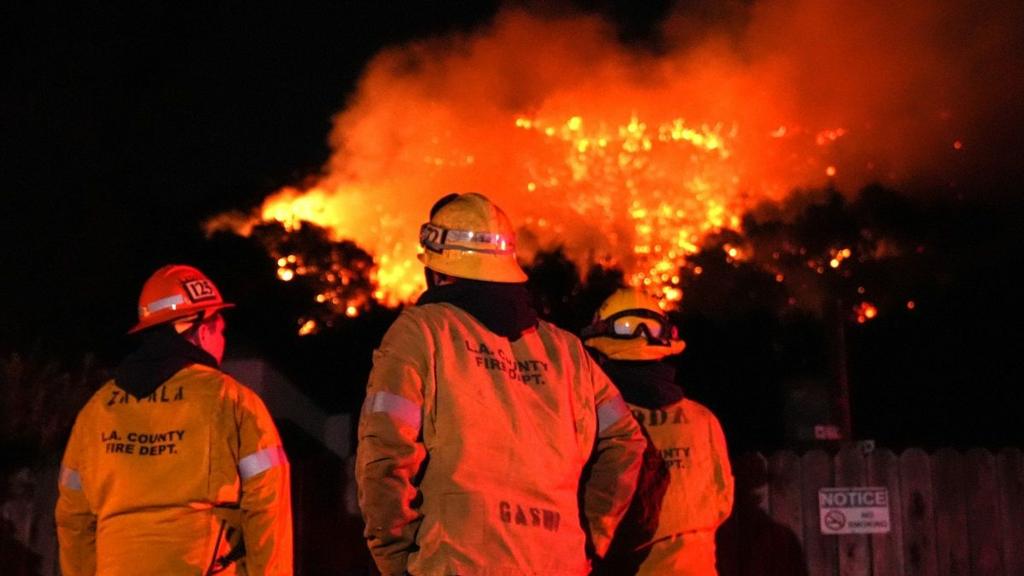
<point>632,195</point>
<point>621,158</point>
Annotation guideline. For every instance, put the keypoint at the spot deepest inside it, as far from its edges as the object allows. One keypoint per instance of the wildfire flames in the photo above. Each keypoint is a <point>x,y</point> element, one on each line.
<point>623,157</point>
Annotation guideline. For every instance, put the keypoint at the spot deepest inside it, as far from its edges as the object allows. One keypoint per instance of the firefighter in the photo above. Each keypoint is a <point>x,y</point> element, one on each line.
<point>685,489</point>
<point>479,419</point>
<point>173,467</point>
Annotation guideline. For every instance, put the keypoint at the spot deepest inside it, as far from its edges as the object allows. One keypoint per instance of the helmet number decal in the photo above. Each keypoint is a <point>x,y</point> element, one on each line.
<point>200,290</point>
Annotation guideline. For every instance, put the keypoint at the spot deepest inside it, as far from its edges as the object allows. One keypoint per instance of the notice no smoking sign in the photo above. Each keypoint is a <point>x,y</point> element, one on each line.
<point>854,510</point>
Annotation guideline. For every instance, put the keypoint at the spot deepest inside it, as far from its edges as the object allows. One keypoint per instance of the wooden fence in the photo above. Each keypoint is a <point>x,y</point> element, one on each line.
<point>952,514</point>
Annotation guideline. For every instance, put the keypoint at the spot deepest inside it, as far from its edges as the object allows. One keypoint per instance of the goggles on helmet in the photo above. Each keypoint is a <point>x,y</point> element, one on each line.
<point>438,239</point>
<point>629,324</point>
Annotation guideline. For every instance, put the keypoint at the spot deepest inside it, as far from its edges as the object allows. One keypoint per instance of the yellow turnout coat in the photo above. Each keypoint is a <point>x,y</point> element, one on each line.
<point>168,484</point>
<point>472,447</point>
<point>697,495</point>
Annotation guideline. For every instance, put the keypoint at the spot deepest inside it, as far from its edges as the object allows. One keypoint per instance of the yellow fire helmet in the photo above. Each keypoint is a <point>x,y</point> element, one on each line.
<point>176,293</point>
<point>471,237</point>
<point>630,325</point>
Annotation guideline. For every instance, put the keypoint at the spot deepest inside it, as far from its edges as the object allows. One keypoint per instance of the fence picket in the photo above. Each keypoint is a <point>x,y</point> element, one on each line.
<point>918,514</point>
<point>741,544</point>
<point>755,544</point>
<point>1010,467</point>
<point>821,552</point>
<point>985,539</point>
<point>854,549</point>
<point>951,549</point>
<point>787,515</point>
<point>887,549</point>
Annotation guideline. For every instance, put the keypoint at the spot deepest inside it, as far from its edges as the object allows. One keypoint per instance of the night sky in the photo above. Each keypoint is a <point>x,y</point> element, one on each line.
<point>124,127</point>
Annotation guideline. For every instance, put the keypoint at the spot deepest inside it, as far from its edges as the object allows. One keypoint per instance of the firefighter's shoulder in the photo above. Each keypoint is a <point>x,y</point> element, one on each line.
<point>566,340</point>
<point>696,409</point>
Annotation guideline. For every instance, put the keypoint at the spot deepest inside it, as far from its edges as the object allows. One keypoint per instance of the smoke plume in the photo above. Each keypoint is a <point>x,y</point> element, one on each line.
<point>628,154</point>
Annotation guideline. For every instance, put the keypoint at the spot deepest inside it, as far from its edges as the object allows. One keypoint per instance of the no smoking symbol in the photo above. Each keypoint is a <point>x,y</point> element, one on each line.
<point>835,520</point>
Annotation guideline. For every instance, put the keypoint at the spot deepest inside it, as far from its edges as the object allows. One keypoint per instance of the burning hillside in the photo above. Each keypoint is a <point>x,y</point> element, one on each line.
<point>629,158</point>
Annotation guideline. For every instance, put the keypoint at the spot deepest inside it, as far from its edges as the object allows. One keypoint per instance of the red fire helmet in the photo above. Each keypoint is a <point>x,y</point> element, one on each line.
<point>176,292</point>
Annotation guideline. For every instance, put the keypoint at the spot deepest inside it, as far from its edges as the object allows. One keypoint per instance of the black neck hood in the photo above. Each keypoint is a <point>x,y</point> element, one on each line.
<point>504,309</point>
<point>161,355</point>
<point>650,384</point>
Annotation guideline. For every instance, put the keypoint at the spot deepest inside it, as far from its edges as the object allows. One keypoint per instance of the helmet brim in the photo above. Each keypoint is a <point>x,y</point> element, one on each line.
<point>168,316</point>
<point>460,264</point>
<point>633,348</point>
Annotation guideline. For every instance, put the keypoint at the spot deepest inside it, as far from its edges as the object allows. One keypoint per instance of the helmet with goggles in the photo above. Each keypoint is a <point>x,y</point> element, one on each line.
<point>469,236</point>
<point>630,325</point>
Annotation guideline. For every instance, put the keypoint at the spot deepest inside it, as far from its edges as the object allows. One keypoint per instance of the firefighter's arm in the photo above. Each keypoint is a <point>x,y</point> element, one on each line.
<point>266,505</point>
<point>614,464</point>
<point>723,478</point>
<point>76,522</point>
<point>390,451</point>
